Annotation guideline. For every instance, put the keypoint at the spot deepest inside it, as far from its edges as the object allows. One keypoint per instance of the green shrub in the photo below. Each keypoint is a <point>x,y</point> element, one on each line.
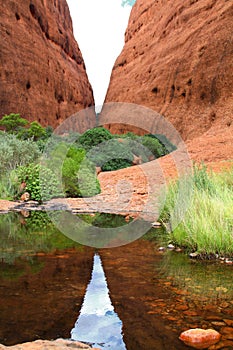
<point>8,185</point>
<point>41,183</point>
<point>87,180</point>
<point>15,152</point>
<point>128,135</point>
<point>167,145</point>
<point>111,155</point>
<point>207,224</point>
<point>37,221</point>
<point>153,145</point>
<point>35,132</point>
<point>136,147</point>
<point>13,122</point>
<point>79,175</point>
<point>94,137</point>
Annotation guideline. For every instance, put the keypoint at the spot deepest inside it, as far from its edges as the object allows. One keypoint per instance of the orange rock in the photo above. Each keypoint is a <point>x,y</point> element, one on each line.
<point>25,197</point>
<point>53,86</point>
<point>227,332</point>
<point>98,170</point>
<point>200,338</point>
<point>177,60</point>
<point>171,63</point>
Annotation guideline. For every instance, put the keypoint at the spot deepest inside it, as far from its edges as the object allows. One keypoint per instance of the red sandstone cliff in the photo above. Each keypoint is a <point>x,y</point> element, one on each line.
<point>43,75</point>
<point>178,61</point>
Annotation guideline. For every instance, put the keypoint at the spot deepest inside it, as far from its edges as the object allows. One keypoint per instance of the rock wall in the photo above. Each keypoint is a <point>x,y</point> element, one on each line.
<point>42,75</point>
<point>178,61</point>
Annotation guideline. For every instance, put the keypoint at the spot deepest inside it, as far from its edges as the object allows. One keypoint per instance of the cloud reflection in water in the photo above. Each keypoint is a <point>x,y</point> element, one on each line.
<point>98,323</point>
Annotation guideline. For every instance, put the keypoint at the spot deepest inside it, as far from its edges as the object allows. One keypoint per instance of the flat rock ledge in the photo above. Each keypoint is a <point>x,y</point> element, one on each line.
<point>59,344</point>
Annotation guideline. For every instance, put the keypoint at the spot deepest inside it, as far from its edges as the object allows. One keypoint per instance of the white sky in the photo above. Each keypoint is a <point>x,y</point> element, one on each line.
<point>99,27</point>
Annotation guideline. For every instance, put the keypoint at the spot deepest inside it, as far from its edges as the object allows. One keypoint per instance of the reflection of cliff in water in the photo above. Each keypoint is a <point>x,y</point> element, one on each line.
<point>40,297</point>
<point>98,323</point>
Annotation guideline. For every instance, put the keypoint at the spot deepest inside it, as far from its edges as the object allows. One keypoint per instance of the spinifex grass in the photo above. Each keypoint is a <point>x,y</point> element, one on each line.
<point>207,226</point>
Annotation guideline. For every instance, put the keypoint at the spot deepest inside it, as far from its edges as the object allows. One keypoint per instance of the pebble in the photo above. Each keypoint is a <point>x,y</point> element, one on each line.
<point>193,255</point>
<point>218,324</point>
<point>156,224</point>
<point>171,246</point>
<point>228,261</point>
<point>161,249</point>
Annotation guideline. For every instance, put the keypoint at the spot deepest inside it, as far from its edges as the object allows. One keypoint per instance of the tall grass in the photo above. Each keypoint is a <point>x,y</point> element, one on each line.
<point>207,226</point>
<point>8,187</point>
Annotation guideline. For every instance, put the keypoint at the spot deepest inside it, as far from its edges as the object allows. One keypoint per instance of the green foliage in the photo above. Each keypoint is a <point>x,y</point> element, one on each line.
<point>37,221</point>
<point>136,147</point>
<point>15,152</point>
<point>34,132</point>
<point>24,147</point>
<point>109,220</point>
<point>78,174</point>
<point>128,135</point>
<point>153,145</point>
<point>207,225</point>
<point>8,185</point>
<point>24,236</point>
<point>88,183</point>
<point>48,131</point>
<point>94,137</point>
<point>13,122</point>
<point>41,183</point>
<point>202,180</point>
<point>168,146</point>
<point>111,155</point>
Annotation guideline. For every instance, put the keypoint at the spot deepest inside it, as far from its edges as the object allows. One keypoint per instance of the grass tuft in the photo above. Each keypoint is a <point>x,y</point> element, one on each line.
<point>207,226</point>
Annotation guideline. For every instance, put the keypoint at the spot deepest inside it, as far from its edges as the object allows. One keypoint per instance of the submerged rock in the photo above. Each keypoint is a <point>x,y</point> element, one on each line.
<point>200,338</point>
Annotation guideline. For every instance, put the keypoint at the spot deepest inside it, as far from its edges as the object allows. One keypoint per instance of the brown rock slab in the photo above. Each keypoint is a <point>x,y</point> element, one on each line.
<point>228,322</point>
<point>223,344</point>
<point>227,332</point>
<point>200,338</point>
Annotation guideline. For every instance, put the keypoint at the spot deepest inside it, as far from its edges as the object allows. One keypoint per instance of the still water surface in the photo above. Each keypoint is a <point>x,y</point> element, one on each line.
<point>130,297</point>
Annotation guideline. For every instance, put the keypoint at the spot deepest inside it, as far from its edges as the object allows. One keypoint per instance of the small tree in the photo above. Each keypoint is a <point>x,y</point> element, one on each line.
<point>34,132</point>
<point>13,122</point>
<point>94,137</point>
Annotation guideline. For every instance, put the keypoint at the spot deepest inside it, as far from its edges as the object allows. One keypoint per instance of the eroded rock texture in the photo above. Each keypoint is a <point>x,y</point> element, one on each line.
<point>42,75</point>
<point>178,60</point>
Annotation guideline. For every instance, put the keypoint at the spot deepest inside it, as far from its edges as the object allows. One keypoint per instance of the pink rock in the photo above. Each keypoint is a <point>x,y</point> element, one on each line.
<point>200,338</point>
<point>98,170</point>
